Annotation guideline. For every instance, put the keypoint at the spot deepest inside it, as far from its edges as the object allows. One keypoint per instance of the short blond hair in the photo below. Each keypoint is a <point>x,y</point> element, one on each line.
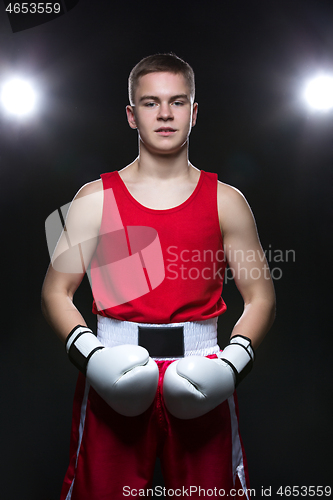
<point>159,63</point>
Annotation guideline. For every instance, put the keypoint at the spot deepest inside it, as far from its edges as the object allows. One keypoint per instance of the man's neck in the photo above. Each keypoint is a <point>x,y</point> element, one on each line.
<point>162,167</point>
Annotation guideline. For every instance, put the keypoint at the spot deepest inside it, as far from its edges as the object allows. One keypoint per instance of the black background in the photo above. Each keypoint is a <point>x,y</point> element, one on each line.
<point>251,59</point>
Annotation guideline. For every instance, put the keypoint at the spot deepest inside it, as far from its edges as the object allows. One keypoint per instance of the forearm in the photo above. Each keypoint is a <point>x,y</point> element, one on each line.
<point>61,314</point>
<point>124,376</point>
<point>256,320</point>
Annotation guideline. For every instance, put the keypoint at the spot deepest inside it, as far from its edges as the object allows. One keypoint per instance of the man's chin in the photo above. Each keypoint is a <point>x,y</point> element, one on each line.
<point>166,149</point>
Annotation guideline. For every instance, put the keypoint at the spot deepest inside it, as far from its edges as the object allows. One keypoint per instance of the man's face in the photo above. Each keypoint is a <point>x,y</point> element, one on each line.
<point>163,112</point>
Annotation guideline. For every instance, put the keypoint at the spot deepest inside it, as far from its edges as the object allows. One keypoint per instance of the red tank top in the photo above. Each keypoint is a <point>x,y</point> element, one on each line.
<point>158,266</point>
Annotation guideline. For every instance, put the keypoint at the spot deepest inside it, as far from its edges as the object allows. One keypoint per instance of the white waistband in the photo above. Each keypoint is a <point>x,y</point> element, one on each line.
<point>200,337</point>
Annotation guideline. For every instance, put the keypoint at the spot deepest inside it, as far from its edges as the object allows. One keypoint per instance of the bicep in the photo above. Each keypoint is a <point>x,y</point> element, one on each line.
<point>77,242</point>
<point>242,247</point>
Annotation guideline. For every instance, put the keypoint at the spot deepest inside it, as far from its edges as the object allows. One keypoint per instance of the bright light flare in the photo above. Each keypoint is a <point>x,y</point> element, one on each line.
<point>319,93</point>
<point>18,97</point>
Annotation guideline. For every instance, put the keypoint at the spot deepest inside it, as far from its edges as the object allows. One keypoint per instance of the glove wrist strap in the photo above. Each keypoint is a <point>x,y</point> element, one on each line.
<point>239,355</point>
<point>80,345</point>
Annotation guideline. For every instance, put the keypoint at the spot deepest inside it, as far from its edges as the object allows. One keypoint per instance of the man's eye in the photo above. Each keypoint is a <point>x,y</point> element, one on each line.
<point>178,103</point>
<point>150,104</point>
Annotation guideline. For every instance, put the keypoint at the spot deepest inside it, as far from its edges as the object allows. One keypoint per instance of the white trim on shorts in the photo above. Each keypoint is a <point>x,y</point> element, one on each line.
<point>237,451</point>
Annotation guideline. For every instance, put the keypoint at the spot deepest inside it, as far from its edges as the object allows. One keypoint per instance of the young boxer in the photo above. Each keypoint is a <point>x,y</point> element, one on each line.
<point>155,238</point>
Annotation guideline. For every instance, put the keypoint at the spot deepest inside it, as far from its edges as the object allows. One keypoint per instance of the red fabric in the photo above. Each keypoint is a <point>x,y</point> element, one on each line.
<point>118,451</point>
<point>192,248</point>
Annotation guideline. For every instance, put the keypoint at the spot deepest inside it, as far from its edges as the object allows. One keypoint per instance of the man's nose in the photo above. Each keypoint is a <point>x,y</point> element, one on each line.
<point>165,112</point>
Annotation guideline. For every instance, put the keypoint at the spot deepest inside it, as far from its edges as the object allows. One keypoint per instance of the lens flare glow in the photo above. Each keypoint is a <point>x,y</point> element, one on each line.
<point>319,93</point>
<point>18,97</point>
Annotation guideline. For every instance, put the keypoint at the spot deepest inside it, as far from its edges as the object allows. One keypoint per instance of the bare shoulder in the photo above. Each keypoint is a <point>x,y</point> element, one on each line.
<point>234,210</point>
<point>86,208</point>
<point>227,195</point>
<point>90,188</point>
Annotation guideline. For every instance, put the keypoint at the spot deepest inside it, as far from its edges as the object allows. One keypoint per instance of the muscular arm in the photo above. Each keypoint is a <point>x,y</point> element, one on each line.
<point>68,266</point>
<point>247,261</point>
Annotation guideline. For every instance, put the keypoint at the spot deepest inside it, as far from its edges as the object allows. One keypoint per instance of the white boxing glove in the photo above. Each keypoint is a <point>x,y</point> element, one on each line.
<point>195,385</point>
<point>124,376</point>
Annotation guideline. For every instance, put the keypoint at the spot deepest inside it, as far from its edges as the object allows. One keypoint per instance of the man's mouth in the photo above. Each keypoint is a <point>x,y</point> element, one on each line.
<point>165,131</point>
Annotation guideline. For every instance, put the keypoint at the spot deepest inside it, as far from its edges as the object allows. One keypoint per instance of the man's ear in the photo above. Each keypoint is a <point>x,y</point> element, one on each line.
<point>195,113</point>
<point>131,116</point>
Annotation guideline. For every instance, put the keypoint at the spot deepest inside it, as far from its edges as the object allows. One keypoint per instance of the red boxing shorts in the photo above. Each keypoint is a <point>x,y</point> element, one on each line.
<point>112,457</point>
